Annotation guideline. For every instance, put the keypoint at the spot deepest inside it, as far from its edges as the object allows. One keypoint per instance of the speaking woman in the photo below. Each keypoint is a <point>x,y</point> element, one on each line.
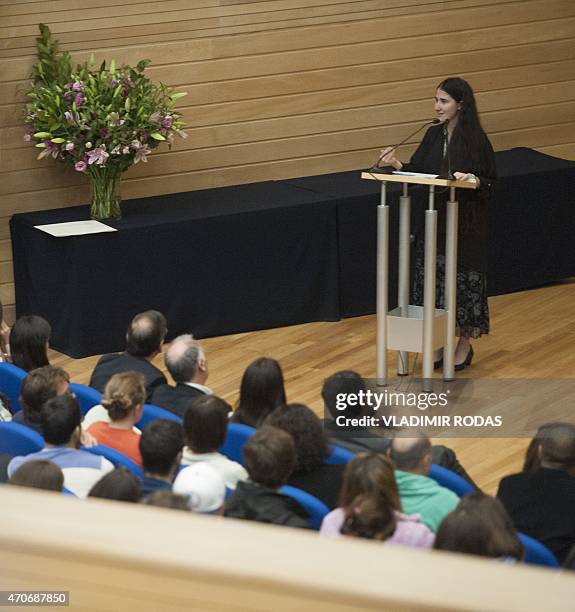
<point>457,144</point>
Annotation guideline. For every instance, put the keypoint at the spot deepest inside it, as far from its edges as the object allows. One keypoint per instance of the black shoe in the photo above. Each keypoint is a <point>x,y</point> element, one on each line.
<point>467,362</point>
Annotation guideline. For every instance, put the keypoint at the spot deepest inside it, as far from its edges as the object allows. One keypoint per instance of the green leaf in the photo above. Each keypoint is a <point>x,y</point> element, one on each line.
<point>42,135</point>
<point>117,90</point>
<point>58,140</point>
<point>112,67</point>
<point>178,95</point>
<point>157,136</point>
<point>40,145</point>
<point>127,104</point>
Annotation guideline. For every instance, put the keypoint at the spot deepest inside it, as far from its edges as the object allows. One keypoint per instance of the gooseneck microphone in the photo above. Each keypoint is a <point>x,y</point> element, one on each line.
<point>432,122</point>
<point>446,154</point>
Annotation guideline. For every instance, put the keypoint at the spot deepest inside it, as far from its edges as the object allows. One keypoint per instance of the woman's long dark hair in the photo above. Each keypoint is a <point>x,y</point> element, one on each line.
<point>261,392</point>
<point>28,341</point>
<point>468,139</point>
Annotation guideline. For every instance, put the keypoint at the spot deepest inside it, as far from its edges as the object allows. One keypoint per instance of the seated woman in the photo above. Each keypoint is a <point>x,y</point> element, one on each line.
<point>261,392</point>
<point>205,427</point>
<point>369,506</point>
<point>480,526</point>
<point>124,398</point>
<point>311,473</point>
<point>29,339</point>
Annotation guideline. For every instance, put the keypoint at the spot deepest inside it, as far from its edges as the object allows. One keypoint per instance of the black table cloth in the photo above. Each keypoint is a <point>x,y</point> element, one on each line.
<point>269,254</point>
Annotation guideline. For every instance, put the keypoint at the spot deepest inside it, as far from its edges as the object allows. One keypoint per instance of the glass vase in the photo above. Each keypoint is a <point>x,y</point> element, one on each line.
<point>105,193</point>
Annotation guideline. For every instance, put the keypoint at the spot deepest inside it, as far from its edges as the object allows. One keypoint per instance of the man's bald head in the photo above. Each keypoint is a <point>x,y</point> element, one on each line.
<point>185,359</point>
<point>146,334</point>
<point>411,454</point>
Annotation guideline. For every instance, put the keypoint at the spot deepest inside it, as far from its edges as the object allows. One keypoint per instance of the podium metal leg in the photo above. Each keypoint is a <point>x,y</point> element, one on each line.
<point>404,260</point>
<point>429,290</point>
<point>450,285</point>
<point>382,288</point>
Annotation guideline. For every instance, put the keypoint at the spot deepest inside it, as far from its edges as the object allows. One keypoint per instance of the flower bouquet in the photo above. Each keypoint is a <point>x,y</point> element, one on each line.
<point>98,120</point>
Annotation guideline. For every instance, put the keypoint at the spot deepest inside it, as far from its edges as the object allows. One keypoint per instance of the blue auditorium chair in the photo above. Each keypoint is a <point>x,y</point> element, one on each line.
<point>16,439</point>
<point>11,378</point>
<point>537,553</point>
<point>87,396</point>
<point>117,458</point>
<point>450,480</point>
<point>339,455</point>
<point>312,505</point>
<point>151,413</point>
<point>238,434</point>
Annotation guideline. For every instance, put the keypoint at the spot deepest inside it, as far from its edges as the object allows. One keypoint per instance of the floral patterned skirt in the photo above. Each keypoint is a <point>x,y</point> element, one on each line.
<point>472,316</point>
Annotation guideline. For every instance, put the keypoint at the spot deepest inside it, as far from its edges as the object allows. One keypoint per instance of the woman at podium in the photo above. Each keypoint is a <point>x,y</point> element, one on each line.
<point>457,147</point>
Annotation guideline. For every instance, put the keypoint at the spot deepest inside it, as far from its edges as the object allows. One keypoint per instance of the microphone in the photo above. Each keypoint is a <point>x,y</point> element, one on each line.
<point>449,175</point>
<point>432,122</point>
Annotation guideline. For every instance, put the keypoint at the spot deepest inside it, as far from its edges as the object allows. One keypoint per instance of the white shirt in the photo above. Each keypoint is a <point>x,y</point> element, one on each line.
<point>231,471</point>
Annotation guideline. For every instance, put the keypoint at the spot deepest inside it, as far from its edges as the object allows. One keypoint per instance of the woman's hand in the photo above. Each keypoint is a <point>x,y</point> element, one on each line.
<point>466,176</point>
<point>87,440</point>
<point>388,158</point>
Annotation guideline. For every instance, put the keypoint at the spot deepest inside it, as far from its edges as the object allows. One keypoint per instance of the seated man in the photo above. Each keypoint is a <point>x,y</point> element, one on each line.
<point>144,340</point>
<point>269,457</point>
<point>61,418</point>
<point>187,365</point>
<point>37,388</point>
<point>361,439</point>
<point>161,445</point>
<point>420,494</point>
<point>541,499</point>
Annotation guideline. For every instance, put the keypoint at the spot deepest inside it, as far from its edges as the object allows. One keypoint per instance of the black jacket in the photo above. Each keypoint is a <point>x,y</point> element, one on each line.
<point>255,502</point>
<point>324,483</point>
<point>115,363</point>
<point>175,399</point>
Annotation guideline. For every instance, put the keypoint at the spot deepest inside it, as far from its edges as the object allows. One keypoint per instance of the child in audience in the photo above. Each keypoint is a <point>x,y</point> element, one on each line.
<point>39,475</point>
<point>124,398</point>
<point>203,487</point>
<point>261,392</point>
<point>480,526</point>
<point>269,457</point>
<point>119,484</point>
<point>205,428</point>
<point>369,506</point>
<point>29,339</point>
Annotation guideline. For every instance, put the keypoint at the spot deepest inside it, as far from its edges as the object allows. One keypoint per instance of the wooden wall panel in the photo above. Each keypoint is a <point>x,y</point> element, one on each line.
<point>281,88</point>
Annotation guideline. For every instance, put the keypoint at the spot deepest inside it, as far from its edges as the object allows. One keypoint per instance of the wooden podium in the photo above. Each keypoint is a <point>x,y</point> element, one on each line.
<point>410,328</point>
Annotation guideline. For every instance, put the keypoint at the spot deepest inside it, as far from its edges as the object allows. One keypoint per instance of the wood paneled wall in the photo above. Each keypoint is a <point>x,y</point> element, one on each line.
<point>283,88</point>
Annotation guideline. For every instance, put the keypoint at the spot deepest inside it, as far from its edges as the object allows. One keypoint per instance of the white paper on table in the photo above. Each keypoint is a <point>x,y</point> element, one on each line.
<point>75,228</point>
<point>418,174</point>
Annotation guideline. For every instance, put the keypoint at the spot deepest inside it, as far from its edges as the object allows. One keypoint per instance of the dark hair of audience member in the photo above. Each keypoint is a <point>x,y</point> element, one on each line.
<point>311,443</point>
<point>261,392</point>
<point>60,417</point>
<point>123,393</point>
<point>146,333</point>
<point>269,457</point>
<point>38,387</point>
<point>167,499</point>
<point>29,342</point>
<point>119,484</point>
<point>479,526</point>
<point>553,446</point>
<point>369,497</point>
<point>206,424</point>
<point>160,444</point>
<point>39,475</point>
<point>347,383</point>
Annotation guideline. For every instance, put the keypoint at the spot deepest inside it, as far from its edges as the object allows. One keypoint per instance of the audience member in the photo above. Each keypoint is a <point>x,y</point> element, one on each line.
<point>187,365</point>
<point>39,474</point>
<point>60,419</point>
<point>369,506</point>
<point>124,398</point>
<point>205,428</point>
<point>4,337</point>
<point>203,487</point>
<point>29,340</point>
<point>165,498</point>
<point>120,484</point>
<point>144,340</point>
<point>37,388</point>
<point>480,526</point>
<point>359,439</point>
<point>161,448</point>
<point>311,473</point>
<point>269,457</point>
<point>261,392</point>
<point>541,499</point>
<point>420,494</point>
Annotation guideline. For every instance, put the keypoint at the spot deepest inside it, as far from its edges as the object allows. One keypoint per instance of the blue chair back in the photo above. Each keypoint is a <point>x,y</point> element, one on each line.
<point>537,553</point>
<point>312,505</point>
<point>16,439</point>
<point>11,378</point>
<point>238,434</point>
<point>117,458</point>
<point>338,456</point>
<point>448,479</point>
<point>87,396</point>
<point>151,413</point>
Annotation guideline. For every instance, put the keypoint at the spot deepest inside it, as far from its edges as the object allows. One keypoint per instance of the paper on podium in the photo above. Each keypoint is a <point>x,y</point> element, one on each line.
<point>418,174</point>
<point>75,228</point>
